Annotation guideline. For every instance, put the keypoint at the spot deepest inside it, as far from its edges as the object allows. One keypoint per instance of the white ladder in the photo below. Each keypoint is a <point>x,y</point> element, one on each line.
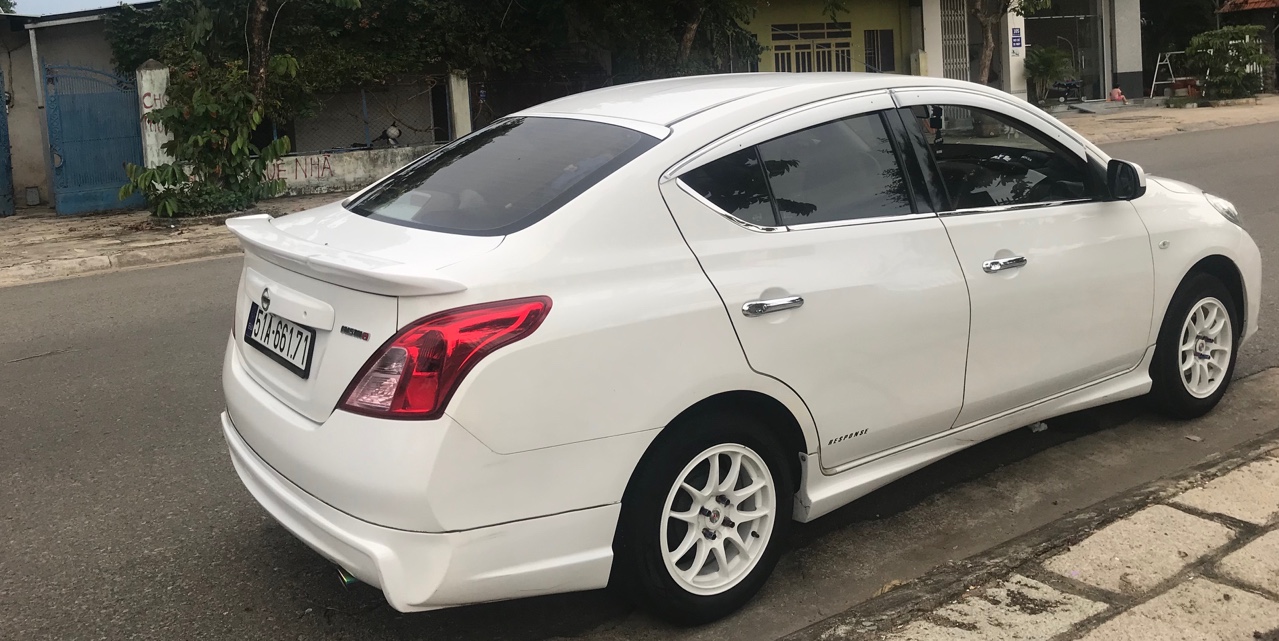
<point>1164,64</point>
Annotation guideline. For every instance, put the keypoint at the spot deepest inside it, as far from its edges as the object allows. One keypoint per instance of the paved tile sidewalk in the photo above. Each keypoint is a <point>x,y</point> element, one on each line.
<point>36,246</point>
<point>1199,563</point>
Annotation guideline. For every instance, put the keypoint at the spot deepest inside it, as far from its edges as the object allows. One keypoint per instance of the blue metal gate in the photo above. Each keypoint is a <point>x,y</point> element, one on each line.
<point>93,134</point>
<point>6,163</point>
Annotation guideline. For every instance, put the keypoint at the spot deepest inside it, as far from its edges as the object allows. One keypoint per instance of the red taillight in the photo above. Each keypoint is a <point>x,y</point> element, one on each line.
<point>414,374</point>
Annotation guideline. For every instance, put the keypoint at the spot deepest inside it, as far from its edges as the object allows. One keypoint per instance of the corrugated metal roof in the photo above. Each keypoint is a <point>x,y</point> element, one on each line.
<point>1248,5</point>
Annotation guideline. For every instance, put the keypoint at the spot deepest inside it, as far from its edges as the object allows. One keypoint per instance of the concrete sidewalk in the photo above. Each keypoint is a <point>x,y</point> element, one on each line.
<point>1136,123</point>
<point>1195,557</point>
<point>36,246</point>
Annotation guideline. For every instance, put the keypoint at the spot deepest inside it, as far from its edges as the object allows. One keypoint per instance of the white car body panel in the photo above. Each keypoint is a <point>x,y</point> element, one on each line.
<point>437,474</point>
<point>516,489</point>
<point>1036,331</point>
<point>641,299</point>
<point>335,357</point>
<point>866,287</point>
<point>417,571</point>
<point>1175,216</point>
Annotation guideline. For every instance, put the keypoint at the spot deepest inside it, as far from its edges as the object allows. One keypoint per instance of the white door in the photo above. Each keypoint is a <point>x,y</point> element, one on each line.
<point>1061,280</point>
<point>837,284</point>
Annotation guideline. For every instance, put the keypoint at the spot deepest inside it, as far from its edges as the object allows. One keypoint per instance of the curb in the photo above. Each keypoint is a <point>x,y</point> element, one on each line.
<point>942,585</point>
<point>69,267</point>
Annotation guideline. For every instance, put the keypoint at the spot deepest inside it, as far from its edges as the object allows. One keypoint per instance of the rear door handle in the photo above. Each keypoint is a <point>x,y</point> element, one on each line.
<point>1003,264</point>
<point>761,307</point>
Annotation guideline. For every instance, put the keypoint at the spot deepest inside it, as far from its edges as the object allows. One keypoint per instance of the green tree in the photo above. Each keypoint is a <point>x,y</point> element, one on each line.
<point>989,14</point>
<point>6,6</point>
<point>216,100</point>
<point>259,34</point>
<point>338,47</point>
<point>659,38</point>
<point>1224,59</point>
<point>283,53</point>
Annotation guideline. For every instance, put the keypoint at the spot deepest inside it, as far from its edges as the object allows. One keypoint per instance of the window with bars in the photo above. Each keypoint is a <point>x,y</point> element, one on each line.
<point>881,52</point>
<point>809,47</point>
<point>812,31</point>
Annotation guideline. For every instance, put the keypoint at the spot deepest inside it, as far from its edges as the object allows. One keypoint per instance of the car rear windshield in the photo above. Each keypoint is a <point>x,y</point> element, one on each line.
<point>502,178</point>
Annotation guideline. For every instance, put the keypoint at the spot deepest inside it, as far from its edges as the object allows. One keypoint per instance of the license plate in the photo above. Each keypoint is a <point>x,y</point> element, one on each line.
<point>286,342</point>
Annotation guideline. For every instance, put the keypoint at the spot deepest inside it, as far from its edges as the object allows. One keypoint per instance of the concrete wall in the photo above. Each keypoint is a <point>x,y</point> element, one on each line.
<point>83,45</point>
<point>339,123</point>
<point>323,173</point>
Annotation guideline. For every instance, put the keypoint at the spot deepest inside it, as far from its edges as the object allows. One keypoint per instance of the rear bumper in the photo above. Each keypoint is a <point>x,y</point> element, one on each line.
<point>419,571</point>
<point>423,476</point>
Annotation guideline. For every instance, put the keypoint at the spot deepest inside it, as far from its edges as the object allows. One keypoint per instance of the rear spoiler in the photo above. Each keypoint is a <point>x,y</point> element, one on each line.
<point>356,271</point>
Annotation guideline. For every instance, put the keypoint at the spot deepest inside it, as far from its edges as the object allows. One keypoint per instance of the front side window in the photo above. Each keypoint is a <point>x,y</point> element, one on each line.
<point>987,159</point>
<point>504,177</point>
<point>842,170</point>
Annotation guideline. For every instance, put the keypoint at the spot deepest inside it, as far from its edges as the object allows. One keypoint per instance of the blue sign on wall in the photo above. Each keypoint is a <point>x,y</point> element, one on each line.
<point>1016,37</point>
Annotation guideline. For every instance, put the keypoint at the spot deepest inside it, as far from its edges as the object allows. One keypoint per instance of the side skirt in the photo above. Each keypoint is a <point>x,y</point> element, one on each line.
<point>823,491</point>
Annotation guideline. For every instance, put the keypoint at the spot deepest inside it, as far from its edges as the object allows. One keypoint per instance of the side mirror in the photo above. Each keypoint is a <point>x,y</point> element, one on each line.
<point>1127,181</point>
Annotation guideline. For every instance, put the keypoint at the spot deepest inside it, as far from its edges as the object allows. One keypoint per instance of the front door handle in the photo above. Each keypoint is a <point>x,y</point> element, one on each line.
<point>761,307</point>
<point>1003,264</point>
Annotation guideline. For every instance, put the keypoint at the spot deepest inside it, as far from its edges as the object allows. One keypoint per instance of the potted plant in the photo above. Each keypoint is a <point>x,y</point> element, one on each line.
<point>1046,66</point>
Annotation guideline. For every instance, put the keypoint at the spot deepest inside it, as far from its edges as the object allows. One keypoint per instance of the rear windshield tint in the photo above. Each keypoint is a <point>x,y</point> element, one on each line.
<point>503,178</point>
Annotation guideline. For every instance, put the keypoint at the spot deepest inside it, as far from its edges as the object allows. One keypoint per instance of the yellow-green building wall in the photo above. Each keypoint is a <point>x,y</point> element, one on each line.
<point>864,15</point>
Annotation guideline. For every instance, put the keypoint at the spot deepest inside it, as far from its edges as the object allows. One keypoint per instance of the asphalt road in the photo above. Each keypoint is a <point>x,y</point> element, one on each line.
<point>125,520</point>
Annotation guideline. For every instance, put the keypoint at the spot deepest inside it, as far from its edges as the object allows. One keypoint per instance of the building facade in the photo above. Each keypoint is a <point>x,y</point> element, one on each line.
<point>942,38</point>
<point>73,122</point>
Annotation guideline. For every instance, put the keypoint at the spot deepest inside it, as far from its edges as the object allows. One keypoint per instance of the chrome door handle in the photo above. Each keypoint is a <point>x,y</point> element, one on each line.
<point>761,307</point>
<point>1002,264</point>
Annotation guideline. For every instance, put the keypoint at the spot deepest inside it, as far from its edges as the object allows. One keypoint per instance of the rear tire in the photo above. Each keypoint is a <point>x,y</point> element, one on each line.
<point>1196,350</point>
<point>692,550</point>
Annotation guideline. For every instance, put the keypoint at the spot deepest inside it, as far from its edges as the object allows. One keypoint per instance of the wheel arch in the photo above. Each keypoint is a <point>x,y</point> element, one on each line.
<point>1225,270</point>
<point>783,422</point>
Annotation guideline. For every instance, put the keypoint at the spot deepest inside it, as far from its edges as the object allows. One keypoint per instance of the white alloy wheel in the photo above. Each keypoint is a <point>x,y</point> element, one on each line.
<point>1207,340</point>
<point>718,519</point>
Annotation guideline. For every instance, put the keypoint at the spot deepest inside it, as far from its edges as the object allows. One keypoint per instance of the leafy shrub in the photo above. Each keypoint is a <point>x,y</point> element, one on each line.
<point>1222,58</point>
<point>211,114</point>
<point>1048,65</point>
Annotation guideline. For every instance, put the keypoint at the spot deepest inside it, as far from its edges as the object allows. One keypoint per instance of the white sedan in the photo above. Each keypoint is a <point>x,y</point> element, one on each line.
<point>630,335</point>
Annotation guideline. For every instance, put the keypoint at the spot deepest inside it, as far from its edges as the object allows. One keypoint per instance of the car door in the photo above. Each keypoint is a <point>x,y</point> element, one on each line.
<point>838,279</point>
<point>1061,278</point>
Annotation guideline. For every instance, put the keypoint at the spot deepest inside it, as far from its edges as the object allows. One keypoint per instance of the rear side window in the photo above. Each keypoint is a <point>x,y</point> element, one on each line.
<point>735,183</point>
<point>502,178</point>
<point>842,170</point>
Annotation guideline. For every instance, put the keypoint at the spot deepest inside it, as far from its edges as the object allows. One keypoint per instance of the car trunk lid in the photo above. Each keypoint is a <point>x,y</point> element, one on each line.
<point>325,283</point>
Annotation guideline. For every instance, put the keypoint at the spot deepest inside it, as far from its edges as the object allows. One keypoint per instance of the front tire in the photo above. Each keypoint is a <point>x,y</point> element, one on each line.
<point>1195,354</point>
<point>704,520</point>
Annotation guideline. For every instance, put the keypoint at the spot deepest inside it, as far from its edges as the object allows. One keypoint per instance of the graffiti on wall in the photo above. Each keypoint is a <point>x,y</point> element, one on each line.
<point>315,167</point>
<point>152,101</point>
<point>153,90</point>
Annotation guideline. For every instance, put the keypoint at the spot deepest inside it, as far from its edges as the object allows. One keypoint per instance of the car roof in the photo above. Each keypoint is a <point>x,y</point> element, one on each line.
<point>666,102</point>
